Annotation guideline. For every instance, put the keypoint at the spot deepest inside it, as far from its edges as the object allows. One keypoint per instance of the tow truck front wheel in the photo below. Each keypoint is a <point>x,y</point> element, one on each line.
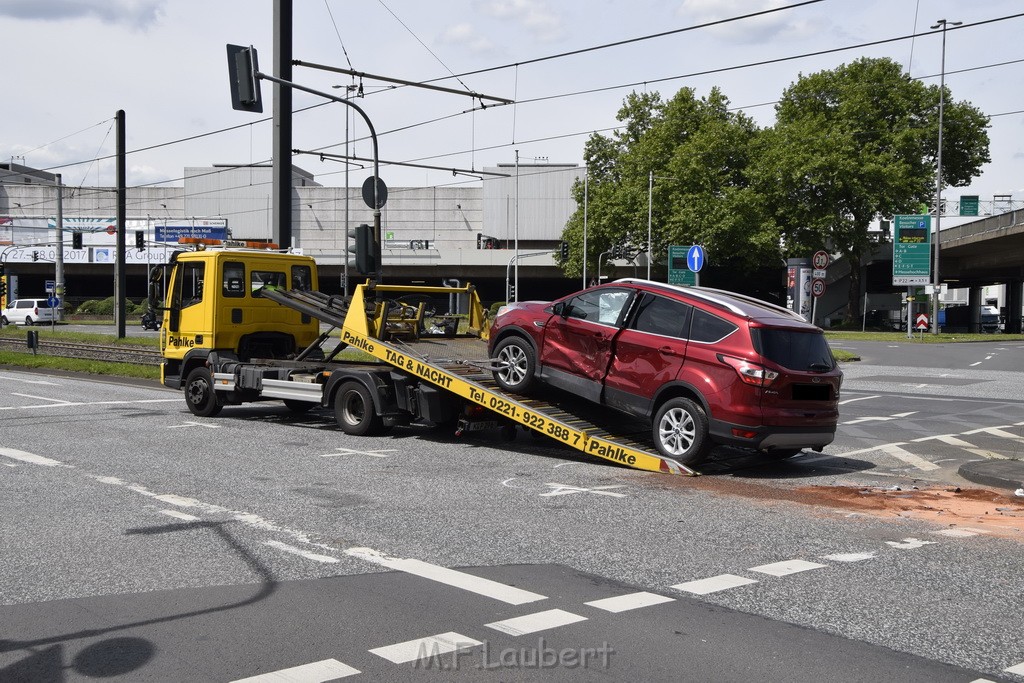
<point>199,393</point>
<point>354,411</point>
<point>681,431</point>
<point>516,362</point>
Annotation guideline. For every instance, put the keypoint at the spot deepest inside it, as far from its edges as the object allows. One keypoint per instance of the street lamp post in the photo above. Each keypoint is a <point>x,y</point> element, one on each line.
<point>650,201</point>
<point>943,24</point>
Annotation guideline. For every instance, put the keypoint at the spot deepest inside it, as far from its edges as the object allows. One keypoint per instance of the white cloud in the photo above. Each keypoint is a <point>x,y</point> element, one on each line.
<point>136,13</point>
<point>534,15</point>
<point>777,26</point>
<point>466,35</point>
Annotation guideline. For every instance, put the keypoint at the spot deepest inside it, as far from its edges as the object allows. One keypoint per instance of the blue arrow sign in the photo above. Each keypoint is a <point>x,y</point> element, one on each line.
<point>695,258</point>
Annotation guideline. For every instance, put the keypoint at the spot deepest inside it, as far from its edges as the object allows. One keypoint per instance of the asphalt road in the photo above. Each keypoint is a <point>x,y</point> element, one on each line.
<point>144,544</point>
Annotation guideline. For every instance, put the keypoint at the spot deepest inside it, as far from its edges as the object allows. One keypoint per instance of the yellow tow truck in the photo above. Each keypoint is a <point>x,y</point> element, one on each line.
<point>242,324</point>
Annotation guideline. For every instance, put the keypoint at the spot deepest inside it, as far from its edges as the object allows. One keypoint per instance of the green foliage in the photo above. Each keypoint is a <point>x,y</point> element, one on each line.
<point>492,312</point>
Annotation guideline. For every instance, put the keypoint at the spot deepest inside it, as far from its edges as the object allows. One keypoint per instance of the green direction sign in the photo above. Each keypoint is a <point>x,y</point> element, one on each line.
<point>968,205</point>
<point>679,272</point>
<point>912,250</point>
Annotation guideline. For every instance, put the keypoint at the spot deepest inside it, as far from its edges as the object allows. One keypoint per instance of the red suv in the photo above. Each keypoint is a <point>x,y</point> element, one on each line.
<point>705,366</point>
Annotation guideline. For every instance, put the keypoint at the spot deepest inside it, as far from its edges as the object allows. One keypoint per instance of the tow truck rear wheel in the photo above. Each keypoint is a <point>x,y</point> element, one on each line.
<point>354,411</point>
<point>518,363</point>
<point>199,394</point>
<point>680,431</point>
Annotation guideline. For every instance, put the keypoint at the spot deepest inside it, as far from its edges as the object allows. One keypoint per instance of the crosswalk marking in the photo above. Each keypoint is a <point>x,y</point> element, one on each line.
<point>314,672</point>
<point>714,584</point>
<point>786,567</point>
<point>425,648</point>
<point>538,621</point>
<point>624,603</point>
<point>906,456</point>
<point>997,431</point>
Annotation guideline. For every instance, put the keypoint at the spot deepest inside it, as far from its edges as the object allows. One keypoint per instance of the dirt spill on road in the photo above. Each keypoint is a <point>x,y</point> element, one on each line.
<point>994,513</point>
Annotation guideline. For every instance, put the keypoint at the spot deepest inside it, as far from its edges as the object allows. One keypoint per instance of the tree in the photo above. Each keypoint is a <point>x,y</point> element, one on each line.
<point>698,152</point>
<point>857,143</point>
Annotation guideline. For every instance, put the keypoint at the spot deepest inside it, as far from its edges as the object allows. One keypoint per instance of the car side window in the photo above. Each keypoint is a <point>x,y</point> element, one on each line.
<point>599,306</point>
<point>663,316</point>
<point>234,279</point>
<point>709,328</point>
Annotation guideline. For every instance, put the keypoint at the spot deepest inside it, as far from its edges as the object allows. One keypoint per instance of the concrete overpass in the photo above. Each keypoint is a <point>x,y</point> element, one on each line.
<point>985,252</point>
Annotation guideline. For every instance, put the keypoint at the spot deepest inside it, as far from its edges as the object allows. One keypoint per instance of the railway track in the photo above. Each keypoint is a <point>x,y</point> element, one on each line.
<point>112,353</point>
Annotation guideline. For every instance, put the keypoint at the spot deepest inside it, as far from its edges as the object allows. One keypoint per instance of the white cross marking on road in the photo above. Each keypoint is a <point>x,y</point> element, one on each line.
<point>351,451</point>
<point>194,424</point>
<point>909,543</point>
<point>567,489</point>
<point>879,418</point>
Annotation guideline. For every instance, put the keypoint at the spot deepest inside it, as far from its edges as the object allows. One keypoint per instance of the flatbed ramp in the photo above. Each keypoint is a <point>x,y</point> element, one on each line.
<point>460,365</point>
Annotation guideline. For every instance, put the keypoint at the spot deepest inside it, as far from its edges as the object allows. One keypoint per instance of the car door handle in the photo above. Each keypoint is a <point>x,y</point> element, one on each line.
<point>668,351</point>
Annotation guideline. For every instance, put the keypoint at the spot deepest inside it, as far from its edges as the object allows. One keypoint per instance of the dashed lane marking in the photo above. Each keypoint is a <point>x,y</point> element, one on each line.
<point>714,584</point>
<point>327,559</point>
<point>54,403</point>
<point>538,621</point>
<point>315,672</point>
<point>30,458</point>
<point>425,648</point>
<point>909,543</point>
<point>787,567</point>
<point>179,515</point>
<point>852,557</point>
<point>624,603</point>
<point>451,577</point>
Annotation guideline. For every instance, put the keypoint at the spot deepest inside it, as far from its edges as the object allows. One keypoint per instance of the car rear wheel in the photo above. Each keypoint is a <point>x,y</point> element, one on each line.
<point>28,320</point>
<point>517,363</point>
<point>680,431</point>
<point>199,394</point>
<point>354,411</point>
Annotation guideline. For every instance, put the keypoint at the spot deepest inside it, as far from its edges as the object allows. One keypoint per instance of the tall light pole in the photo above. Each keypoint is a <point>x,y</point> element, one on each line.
<point>943,24</point>
<point>650,201</point>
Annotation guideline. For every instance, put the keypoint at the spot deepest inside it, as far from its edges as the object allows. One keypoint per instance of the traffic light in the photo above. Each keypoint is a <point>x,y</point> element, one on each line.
<point>140,239</point>
<point>35,255</point>
<point>565,251</point>
<point>362,245</point>
<point>3,287</point>
<point>245,85</point>
<point>76,240</point>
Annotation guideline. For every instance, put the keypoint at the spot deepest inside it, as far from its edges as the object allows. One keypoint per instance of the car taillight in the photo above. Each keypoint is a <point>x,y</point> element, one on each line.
<point>751,373</point>
<point>35,311</point>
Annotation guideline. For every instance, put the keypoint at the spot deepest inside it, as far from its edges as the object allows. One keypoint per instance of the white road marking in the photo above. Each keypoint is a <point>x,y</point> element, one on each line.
<point>998,431</point>
<point>1015,669</point>
<point>72,404</point>
<point>351,451</point>
<point>624,603</point>
<point>315,672</point>
<point>301,553</point>
<point>953,440</point>
<point>787,567</point>
<point>852,557</point>
<point>451,577</point>
<point>906,456</point>
<point>567,489</point>
<point>30,458</point>
<point>538,621</point>
<point>714,584</point>
<point>194,424</point>
<point>879,418</point>
<point>41,398</point>
<point>179,515</point>
<point>859,398</point>
<point>909,543</point>
<point>423,648</point>
<point>958,533</point>
<point>28,381</point>
<point>973,364</point>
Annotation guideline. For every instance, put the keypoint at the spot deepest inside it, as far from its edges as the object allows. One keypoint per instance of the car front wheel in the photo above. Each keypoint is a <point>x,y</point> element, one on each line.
<point>680,431</point>
<point>516,363</point>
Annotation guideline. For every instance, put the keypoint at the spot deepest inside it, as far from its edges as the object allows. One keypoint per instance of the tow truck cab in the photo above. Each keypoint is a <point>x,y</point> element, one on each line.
<point>212,303</point>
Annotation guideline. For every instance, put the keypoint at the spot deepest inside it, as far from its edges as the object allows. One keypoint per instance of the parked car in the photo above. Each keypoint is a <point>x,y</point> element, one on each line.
<point>29,312</point>
<point>705,366</point>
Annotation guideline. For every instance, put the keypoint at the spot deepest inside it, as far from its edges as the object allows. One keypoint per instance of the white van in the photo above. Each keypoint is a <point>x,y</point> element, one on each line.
<point>29,312</point>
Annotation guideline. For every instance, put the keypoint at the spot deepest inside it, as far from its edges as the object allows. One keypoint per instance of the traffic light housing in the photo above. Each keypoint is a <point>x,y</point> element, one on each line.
<point>35,255</point>
<point>76,240</point>
<point>565,251</point>
<point>3,286</point>
<point>365,249</point>
<point>245,85</point>
<point>140,239</point>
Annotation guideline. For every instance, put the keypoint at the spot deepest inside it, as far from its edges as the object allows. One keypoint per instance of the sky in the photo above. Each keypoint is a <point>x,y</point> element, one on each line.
<point>71,64</point>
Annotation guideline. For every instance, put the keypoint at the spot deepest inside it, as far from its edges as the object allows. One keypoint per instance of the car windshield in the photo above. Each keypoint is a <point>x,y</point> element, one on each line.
<point>794,349</point>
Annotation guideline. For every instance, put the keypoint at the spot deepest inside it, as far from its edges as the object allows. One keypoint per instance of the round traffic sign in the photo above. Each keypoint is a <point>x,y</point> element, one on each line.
<point>382,193</point>
<point>111,229</point>
<point>820,260</point>
<point>817,287</point>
